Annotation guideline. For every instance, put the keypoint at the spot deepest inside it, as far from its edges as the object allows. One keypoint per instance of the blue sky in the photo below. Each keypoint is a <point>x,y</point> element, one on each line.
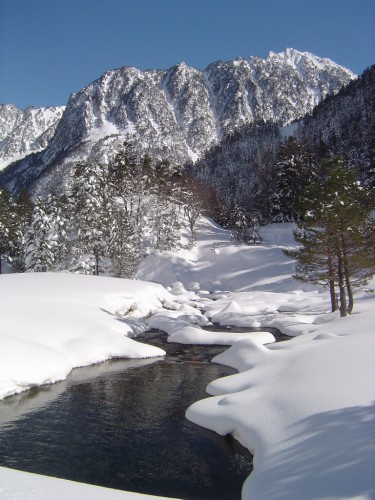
<point>50,48</point>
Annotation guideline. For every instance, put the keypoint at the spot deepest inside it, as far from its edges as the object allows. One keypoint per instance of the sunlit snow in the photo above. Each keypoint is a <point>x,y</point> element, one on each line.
<point>304,407</point>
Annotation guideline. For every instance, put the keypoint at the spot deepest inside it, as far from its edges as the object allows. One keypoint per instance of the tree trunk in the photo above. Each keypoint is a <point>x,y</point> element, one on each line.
<point>347,274</point>
<point>343,304</point>
<point>332,292</point>
<point>0,264</point>
<point>332,289</point>
<point>192,231</point>
<point>350,296</point>
<point>96,264</point>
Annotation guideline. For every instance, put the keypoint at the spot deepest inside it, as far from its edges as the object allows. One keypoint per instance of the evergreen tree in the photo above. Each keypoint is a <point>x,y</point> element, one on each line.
<point>239,224</point>
<point>15,216</point>
<point>57,210</point>
<point>295,169</point>
<point>23,211</point>
<point>124,246</point>
<point>337,235</point>
<point>38,240</point>
<point>91,208</point>
<point>6,224</point>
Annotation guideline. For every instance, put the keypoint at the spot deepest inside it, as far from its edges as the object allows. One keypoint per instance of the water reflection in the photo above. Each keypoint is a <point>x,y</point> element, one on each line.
<point>125,427</point>
<point>14,408</point>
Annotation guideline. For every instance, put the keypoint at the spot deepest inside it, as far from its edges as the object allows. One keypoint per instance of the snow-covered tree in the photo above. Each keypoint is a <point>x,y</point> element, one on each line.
<point>147,195</point>
<point>38,240</point>
<point>6,224</point>
<point>124,246</point>
<point>58,211</point>
<point>239,225</point>
<point>296,168</point>
<point>91,208</point>
<point>15,216</point>
<point>197,199</point>
<point>23,208</point>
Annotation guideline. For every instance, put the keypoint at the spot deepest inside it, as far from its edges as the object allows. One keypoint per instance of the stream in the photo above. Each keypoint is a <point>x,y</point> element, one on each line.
<point>121,424</point>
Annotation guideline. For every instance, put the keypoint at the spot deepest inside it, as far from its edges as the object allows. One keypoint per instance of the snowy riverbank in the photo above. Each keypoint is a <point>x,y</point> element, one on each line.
<point>304,407</point>
<point>52,323</point>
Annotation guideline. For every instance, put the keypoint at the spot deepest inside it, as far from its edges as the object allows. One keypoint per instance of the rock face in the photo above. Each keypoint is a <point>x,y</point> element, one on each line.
<point>178,113</point>
<point>25,132</point>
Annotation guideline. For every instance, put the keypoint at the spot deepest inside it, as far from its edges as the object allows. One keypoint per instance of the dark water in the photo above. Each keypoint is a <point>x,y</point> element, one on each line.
<point>279,337</point>
<point>121,424</point>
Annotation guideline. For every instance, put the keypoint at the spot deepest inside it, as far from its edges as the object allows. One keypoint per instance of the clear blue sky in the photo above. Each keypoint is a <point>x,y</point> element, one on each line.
<point>50,48</point>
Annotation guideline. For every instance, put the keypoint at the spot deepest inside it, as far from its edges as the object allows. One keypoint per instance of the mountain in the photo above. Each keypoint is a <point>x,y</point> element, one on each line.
<point>181,112</point>
<point>24,132</point>
<point>344,125</point>
<point>243,167</point>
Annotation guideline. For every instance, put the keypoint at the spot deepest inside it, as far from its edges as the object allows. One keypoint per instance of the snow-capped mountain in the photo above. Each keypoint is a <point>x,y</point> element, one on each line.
<point>179,113</point>
<point>25,132</point>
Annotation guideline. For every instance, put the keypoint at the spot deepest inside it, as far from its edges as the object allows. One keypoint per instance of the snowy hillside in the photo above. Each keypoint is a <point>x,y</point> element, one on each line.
<point>215,258</point>
<point>179,113</point>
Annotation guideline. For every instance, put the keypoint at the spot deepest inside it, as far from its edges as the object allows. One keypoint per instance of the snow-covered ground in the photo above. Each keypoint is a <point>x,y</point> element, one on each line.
<point>52,323</point>
<point>304,407</point>
<point>15,485</point>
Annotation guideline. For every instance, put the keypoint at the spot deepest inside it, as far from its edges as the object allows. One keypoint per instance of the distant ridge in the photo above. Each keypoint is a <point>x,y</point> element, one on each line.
<point>177,113</point>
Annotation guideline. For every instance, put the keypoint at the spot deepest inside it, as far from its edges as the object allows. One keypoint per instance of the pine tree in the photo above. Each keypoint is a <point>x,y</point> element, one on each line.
<point>124,246</point>
<point>239,224</point>
<point>295,169</point>
<point>337,235</point>
<point>89,200</point>
<point>38,246</point>
<point>6,224</point>
<point>57,210</point>
<point>15,216</point>
<point>23,207</point>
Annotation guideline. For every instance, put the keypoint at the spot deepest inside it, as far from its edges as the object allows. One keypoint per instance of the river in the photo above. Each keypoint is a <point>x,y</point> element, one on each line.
<point>122,424</point>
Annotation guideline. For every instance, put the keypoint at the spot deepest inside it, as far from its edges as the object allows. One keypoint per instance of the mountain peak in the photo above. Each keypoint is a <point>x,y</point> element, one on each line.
<point>181,112</point>
<point>295,57</point>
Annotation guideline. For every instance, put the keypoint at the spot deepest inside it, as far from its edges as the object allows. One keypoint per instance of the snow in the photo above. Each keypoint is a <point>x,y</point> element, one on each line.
<point>192,155</point>
<point>303,407</point>
<point>290,130</point>
<point>52,323</point>
<point>108,128</point>
<point>15,485</point>
<point>219,264</point>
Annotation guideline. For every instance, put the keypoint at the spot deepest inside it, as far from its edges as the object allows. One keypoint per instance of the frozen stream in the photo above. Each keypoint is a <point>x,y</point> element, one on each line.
<point>122,424</point>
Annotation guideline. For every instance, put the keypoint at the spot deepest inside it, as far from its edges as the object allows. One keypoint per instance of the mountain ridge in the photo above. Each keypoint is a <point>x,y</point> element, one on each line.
<point>26,131</point>
<point>181,112</point>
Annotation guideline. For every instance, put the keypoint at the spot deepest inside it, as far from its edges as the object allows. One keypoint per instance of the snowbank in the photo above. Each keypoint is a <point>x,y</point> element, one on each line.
<point>51,323</point>
<point>15,485</point>
<point>304,407</point>
<point>184,319</point>
<point>285,311</point>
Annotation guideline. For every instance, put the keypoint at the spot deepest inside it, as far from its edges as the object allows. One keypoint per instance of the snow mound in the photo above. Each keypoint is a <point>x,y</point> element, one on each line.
<point>51,323</point>
<point>304,408</point>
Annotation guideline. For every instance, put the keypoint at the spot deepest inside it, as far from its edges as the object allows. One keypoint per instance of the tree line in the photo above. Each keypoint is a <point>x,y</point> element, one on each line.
<point>109,218</point>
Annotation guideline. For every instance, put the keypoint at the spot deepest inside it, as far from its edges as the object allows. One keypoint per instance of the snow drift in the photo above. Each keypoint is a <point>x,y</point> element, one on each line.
<point>52,323</point>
